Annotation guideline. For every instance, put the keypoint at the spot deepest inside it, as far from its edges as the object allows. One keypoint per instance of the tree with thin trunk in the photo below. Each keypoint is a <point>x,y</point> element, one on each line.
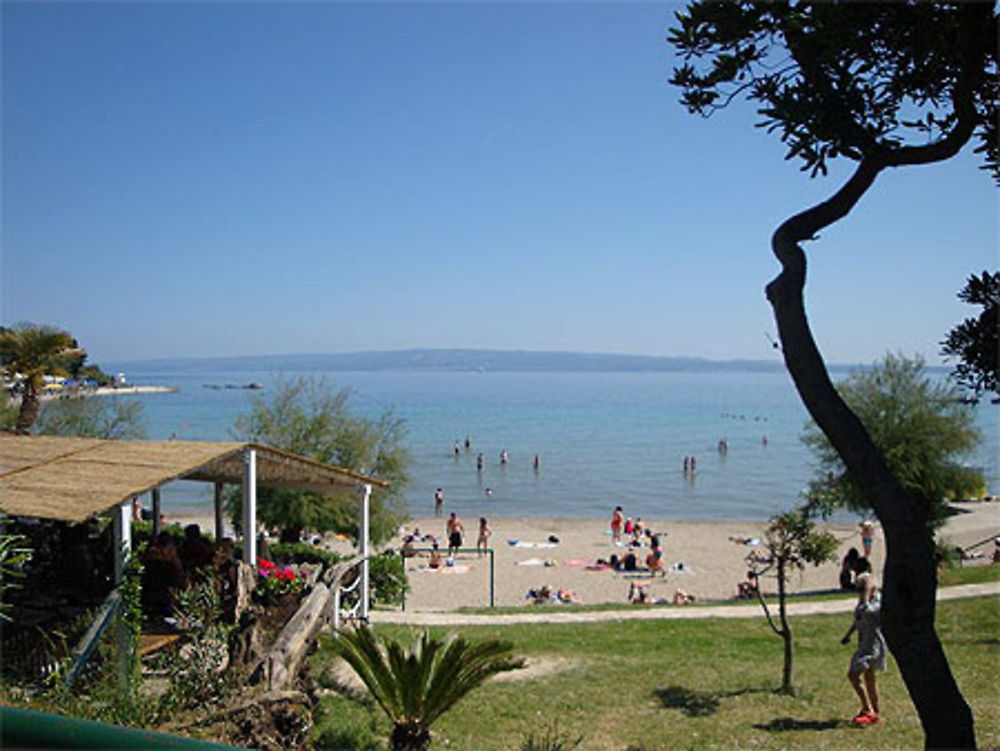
<point>415,687</point>
<point>884,85</point>
<point>791,540</point>
<point>31,352</point>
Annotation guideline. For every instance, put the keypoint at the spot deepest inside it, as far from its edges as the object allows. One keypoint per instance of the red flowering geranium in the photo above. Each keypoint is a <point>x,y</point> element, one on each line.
<point>273,580</point>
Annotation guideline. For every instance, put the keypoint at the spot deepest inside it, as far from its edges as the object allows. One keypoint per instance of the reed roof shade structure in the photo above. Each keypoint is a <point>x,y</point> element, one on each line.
<point>72,479</point>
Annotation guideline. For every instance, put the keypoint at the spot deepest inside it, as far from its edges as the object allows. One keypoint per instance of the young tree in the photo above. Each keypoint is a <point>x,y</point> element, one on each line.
<point>885,85</point>
<point>415,687</point>
<point>976,341</point>
<point>307,416</point>
<point>33,352</point>
<point>791,540</point>
<point>920,426</point>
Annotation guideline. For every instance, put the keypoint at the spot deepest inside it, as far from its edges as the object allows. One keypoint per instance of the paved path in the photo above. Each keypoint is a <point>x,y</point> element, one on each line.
<point>753,610</point>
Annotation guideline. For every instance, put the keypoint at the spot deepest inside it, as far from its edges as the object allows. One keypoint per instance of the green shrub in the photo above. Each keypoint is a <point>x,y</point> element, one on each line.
<point>387,579</point>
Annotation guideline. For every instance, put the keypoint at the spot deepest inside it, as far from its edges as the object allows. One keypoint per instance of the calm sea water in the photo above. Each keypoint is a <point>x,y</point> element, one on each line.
<point>602,438</point>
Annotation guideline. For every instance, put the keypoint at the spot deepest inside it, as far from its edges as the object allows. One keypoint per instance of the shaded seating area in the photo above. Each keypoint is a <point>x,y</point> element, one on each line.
<point>72,498</point>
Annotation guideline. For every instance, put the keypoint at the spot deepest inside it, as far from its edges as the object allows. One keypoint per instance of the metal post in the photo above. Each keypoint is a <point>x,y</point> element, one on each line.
<point>491,578</point>
<point>250,506</point>
<point>218,511</point>
<point>363,541</point>
<point>336,608</point>
<point>155,493</point>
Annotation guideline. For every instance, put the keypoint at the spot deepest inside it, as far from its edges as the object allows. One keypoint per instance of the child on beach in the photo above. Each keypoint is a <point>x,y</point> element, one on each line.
<point>617,521</point>
<point>871,651</point>
<point>484,536</point>
<point>867,537</point>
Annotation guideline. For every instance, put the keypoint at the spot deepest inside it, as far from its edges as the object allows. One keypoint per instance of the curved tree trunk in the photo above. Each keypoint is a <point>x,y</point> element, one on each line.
<point>909,578</point>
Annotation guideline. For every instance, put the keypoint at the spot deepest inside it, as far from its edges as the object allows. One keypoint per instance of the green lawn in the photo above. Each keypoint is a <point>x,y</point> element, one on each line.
<point>693,684</point>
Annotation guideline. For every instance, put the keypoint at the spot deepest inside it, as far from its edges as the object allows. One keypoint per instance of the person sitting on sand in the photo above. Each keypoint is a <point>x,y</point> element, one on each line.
<point>435,561</point>
<point>683,598</point>
<point>407,549</point>
<point>747,590</point>
<point>848,569</point>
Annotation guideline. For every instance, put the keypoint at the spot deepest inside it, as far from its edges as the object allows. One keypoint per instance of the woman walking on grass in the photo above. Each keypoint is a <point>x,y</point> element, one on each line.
<point>871,652</point>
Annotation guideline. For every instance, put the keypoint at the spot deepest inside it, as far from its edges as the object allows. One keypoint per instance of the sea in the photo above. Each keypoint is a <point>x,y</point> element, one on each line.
<point>602,438</point>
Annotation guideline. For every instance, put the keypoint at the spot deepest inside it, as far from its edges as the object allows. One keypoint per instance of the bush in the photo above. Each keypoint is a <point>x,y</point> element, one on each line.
<point>387,578</point>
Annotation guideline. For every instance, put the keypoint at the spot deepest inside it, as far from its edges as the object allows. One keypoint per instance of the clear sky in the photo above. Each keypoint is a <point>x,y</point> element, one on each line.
<point>226,178</point>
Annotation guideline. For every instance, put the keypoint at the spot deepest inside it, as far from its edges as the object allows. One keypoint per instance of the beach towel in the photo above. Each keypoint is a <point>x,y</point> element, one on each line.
<point>526,544</point>
<point>531,562</point>
<point>578,562</point>
<point>458,568</point>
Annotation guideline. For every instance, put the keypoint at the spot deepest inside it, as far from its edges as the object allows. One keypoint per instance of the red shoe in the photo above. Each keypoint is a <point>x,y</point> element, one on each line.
<point>862,718</point>
<point>874,719</point>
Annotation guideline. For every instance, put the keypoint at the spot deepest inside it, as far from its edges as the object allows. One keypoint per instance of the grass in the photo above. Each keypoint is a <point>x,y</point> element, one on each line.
<point>705,684</point>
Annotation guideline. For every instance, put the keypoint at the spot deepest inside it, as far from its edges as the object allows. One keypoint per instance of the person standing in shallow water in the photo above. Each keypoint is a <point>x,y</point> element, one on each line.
<point>438,502</point>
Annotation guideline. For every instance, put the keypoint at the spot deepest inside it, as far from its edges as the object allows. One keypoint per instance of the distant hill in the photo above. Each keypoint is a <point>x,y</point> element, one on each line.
<point>483,360</point>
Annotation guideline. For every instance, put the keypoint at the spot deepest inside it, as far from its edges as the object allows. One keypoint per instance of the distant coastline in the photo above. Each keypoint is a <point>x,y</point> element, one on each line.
<point>108,391</point>
<point>469,360</point>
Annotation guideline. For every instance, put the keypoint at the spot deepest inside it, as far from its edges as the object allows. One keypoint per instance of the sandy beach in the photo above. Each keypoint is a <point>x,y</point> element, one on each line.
<point>700,558</point>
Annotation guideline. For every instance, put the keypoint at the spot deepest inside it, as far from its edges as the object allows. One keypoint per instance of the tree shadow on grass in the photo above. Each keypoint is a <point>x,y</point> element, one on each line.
<point>699,703</point>
<point>784,724</point>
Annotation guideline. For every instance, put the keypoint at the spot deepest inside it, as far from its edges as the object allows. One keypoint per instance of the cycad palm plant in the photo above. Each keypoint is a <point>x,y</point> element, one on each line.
<point>415,687</point>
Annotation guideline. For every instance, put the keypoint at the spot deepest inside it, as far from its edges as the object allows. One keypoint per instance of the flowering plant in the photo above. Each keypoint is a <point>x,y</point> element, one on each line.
<point>274,581</point>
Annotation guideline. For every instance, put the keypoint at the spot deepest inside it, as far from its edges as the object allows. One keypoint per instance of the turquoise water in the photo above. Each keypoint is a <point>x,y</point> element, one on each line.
<point>603,439</point>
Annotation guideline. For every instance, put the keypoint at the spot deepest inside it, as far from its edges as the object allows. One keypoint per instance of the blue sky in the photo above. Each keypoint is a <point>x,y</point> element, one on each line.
<point>221,178</point>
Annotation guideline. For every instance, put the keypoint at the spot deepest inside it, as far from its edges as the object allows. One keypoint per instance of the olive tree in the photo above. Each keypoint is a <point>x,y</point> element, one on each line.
<point>885,86</point>
<point>921,427</point>
<point>309,417</point>
<point>975,342</point>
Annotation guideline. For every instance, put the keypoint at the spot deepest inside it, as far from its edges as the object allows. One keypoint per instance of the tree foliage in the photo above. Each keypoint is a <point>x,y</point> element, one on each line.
<point>416,686</point>
<point>885,85</point>
<point>309,417</point>
<point>791,540</point>
<point>33,352</point>
<point>976,341</point>
<point>853,81</point>
<point>92,417</point>
<point>922,428</point>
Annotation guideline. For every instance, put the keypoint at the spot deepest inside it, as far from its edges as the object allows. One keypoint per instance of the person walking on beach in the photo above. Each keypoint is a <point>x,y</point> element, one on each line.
<point>482,541</point>
<point>617,521</point>
<point>871,652</point>
<point>438,502</point>
<point>867,537</point>
<point>455,529</point>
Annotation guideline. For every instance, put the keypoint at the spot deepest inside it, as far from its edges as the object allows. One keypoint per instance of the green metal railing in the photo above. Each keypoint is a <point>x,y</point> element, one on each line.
<point>23,728</point>
<point>405,554</point>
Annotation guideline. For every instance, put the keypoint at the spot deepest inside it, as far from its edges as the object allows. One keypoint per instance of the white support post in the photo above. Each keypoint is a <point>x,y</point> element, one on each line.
<point>218,512</point>
<point>122,522</point>
<point>250,507</point>
<point>363,543</point>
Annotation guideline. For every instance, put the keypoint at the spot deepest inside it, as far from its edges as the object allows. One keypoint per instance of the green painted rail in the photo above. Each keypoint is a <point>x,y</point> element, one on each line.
<point>23,728</point>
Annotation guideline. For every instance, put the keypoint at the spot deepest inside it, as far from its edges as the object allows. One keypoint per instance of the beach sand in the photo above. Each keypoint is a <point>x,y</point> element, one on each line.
<point>712,563</point>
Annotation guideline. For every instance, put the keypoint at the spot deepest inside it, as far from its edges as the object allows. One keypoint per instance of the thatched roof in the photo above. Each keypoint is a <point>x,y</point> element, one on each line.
<point>71,479</point>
